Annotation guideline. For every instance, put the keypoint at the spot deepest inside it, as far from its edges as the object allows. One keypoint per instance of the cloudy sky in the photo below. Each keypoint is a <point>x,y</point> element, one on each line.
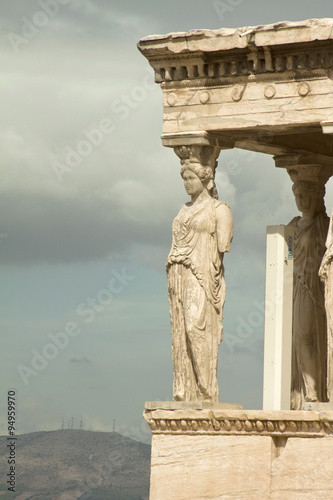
<point>88,195</point>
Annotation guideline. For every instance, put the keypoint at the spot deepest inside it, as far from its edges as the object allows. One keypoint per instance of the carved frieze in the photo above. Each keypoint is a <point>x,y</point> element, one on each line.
<point>236,422</point>
<point>305,60</point>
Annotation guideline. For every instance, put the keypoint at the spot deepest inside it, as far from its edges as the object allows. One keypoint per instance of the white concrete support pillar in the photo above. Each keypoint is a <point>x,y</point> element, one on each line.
<point>278,318</point>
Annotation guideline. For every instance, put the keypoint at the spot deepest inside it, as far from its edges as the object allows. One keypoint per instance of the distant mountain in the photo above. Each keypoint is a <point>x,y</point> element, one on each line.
<point>76,464</point>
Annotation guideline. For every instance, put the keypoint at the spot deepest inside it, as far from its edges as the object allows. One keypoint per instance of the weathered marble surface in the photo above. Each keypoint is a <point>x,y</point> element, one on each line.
<point>240,83</point>
<point>267,89</point>
<point>190,405</point>
<point>309,342</point>
<point>304,470</point>
<point>250,454</point>
<point>202,232</point>
<point>230,38</point>
<point>326,275</point>
<point>217,421</point>
<point>209,467</point>
<point>241,467</point>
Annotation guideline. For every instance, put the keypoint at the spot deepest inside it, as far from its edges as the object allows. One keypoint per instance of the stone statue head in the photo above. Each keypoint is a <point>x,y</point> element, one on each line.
<point>205,174</point>
<point>309,196</point>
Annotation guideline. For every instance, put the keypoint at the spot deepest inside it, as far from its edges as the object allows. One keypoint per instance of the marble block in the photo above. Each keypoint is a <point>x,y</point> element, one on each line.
<point>240,454</point>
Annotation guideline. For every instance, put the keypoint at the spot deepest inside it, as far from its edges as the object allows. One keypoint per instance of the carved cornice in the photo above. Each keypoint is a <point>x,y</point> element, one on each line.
<point>238,422</point>
<point>224,54</point>
<point>296,66</point>
<point>297,49</point>
<point>297,61</point>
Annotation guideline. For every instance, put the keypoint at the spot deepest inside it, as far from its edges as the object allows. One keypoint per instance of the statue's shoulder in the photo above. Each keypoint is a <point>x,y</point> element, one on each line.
<point>222,204</point>
<point>221,207</point>
<point>294,221</point>
<point>223,213</point>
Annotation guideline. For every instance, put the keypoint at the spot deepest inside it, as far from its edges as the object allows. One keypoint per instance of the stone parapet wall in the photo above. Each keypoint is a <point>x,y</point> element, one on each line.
<point>222,454</point>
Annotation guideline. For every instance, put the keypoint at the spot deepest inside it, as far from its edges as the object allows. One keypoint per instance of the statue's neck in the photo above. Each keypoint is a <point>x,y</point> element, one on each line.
<point>200,197</point>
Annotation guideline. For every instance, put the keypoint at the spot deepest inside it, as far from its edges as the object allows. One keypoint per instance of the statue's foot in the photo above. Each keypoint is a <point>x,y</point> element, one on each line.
<point>179,397</point>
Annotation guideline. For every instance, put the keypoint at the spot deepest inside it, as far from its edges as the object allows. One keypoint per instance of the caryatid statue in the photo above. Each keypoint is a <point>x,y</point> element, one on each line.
<point>202,232</point>
<point>309,337</point>
<point>326,275</point>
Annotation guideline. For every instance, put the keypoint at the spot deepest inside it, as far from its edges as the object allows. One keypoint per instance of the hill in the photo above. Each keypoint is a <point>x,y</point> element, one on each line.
<point>70,464</point>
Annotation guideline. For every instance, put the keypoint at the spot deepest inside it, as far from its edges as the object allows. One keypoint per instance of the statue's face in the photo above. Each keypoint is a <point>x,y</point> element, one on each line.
<point>303,201</point>
<point>306,200</point>
<point>192,183</point>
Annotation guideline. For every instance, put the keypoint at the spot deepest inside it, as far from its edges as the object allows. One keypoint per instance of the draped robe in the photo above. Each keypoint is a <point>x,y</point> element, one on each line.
<point>309,349</point>
<point>196,290</point>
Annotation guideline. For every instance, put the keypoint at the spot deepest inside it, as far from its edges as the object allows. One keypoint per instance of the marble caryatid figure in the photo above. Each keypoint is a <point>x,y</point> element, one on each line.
<point>326,275</point>
<point>202,232</point>
<point>309,344</point>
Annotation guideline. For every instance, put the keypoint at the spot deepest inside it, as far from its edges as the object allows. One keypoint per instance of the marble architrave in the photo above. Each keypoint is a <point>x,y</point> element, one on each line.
<point>267,88</point>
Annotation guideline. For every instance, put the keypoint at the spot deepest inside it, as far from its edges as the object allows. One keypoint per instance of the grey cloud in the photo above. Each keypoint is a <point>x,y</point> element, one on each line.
<point>72,226</point>
<point>45,229</point>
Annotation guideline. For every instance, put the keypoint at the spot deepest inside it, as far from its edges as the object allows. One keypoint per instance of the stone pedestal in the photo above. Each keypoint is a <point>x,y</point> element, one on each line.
<point>214,453</point>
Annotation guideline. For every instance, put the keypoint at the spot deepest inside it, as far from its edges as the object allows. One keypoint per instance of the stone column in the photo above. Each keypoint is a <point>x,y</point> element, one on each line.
<point>309,174</point>
<point>201,233</point>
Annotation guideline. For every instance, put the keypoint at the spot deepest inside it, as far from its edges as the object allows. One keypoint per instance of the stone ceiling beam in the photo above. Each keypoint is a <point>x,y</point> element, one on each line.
<point>239,83</point>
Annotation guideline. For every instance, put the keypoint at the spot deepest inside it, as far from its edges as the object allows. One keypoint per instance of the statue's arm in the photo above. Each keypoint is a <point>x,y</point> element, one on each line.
<point>328,256</point>
<point>224,227</point>
<point>329,239</point>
